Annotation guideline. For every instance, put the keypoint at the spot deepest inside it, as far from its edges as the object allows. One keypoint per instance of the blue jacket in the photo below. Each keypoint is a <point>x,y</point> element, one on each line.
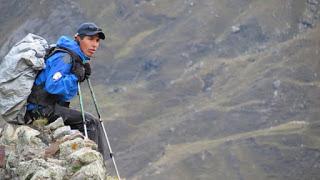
<point>57,77</point>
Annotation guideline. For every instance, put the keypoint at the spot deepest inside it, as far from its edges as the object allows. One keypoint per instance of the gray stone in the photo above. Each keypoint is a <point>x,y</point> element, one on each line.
<point>73,135</point>
<point>27,168</point>
<point>26,135</point>
<point>60,162</point>
<point>28,144</point>
<point>276,84</point>
<point>6,175</point>
<point>30,152</point>
<point>235,29</point>
<point>12,159</point>
<point>62,131</point>
<point>94,170</point>
<point>8,134</point>
<point>85,156</point>
<point>56,124</point>
<point>71,146</point>
<point>40,169</point>
<point>53,172</point>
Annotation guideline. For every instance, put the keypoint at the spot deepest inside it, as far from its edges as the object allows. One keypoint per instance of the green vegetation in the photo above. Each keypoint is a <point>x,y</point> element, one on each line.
<point>40,122</point>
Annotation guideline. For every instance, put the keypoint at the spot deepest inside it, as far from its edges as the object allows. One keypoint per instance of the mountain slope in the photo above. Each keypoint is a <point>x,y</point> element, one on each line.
<point>189,89</point>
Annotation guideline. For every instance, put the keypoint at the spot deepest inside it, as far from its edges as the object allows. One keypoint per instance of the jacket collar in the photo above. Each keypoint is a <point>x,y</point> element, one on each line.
<point>72,45</point>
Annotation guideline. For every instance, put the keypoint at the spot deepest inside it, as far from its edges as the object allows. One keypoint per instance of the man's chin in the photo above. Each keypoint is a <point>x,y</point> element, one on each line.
<point>89,55</point>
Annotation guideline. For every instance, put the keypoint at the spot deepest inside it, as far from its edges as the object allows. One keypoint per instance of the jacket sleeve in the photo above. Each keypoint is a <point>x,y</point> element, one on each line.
<point>59,79</point>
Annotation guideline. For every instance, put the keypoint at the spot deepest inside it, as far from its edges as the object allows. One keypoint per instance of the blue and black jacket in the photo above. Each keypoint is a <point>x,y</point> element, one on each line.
<point>57,82</point>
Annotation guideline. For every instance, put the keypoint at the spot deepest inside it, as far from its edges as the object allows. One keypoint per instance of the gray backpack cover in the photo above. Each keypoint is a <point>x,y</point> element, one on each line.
<point>18,70</point>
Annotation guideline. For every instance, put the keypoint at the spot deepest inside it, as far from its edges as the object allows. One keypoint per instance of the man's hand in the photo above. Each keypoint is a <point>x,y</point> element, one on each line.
<point>78,69</point>
<point>87,68</point>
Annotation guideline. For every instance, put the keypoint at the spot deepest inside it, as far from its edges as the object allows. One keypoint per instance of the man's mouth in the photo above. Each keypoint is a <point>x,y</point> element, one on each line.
<point>92,50</point>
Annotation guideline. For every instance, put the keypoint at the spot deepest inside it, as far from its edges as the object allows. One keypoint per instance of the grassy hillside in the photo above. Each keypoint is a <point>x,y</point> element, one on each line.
<point>187,74</point>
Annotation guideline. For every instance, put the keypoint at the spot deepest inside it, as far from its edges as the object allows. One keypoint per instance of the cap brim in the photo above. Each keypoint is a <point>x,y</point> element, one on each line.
<point>99,33</point>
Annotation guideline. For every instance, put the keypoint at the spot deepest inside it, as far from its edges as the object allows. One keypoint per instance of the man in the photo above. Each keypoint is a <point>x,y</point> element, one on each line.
<point>57,84</point>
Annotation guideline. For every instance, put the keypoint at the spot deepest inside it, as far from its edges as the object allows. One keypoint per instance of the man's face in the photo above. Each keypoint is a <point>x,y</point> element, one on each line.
<point>89,44</point>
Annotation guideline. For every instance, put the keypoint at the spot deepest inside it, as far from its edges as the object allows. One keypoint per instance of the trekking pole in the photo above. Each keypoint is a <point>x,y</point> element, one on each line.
<point>104,130</point>
<point>82,111</point>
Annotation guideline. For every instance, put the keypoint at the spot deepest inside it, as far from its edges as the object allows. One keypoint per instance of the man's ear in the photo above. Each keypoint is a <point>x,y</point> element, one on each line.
<point>77,38</point>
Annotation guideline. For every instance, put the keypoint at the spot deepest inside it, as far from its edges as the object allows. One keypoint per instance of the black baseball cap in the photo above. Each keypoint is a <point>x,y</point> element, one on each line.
<point>90,29</point>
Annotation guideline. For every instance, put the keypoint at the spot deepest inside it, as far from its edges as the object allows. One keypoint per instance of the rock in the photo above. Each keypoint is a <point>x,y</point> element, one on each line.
<point>12,160</point>
<point>30,152</point>
<point>56,124</point>
<point>313,2</point>
<point>62,131</point>
<point>49,174</point>
<point>7,135</point>
<point>71,146</point>
<point>28,136</point>
<point>2,156</point>
<point>276,84</point>
<point>60,162</point>
<point>94,170</point>
<point>40,169</point>
<point>85,156</point>
<point>73,135</point>
<point>25,154</point>
<point>4,174</point>
<point>235,29</point>
<point>52,149</point>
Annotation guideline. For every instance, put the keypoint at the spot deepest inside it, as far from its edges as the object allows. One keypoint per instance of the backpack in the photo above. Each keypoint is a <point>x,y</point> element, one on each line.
<point>18,71</point>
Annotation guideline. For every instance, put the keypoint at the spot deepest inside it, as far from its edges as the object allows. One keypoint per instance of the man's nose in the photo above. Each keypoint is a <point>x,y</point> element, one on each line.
<point>95,44</point>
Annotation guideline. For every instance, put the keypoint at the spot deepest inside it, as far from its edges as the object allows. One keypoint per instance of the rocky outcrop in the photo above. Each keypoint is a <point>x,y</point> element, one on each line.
<point>311,14</point>
<point>48,152</point>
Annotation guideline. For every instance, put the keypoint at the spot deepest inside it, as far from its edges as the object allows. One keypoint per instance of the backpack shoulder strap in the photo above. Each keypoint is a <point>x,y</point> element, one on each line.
<point>53,50</point>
